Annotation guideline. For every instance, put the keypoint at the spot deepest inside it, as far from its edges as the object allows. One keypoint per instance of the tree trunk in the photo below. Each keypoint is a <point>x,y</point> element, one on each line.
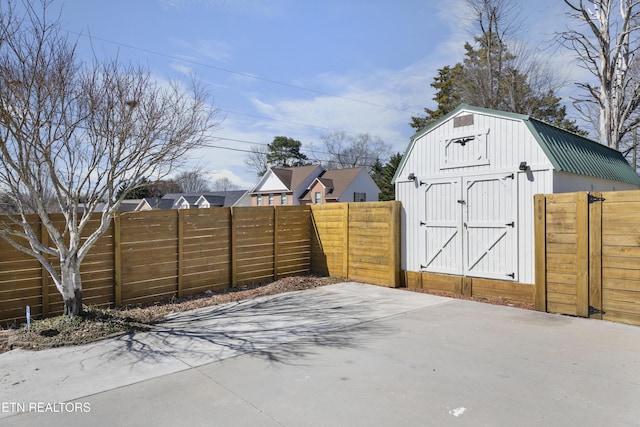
<point>72,286</point>
<point>73,305</point>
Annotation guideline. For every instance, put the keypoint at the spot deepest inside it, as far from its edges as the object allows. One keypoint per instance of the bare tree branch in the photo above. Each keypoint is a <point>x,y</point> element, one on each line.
<point>72,133</point>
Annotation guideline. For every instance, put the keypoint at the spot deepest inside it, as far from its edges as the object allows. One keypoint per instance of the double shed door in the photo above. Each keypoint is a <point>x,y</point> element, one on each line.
<point>469,227</point>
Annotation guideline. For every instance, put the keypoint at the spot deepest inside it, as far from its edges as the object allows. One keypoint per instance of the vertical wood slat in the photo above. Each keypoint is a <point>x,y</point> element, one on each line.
<point>540,249</point>
<point>117,262</point>
<point>180,279</point>
<point>233,249</point>
<point>396,255</point>
<point>44,238</point>
<point>276,243</point>
<point>582,232</point>
<point>595,256</point>
<point>345,250</point>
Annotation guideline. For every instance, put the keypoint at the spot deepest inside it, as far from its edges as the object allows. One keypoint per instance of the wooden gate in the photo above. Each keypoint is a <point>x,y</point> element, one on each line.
<point>441,227</point>
<point>588,255</point>
<point>469,227</point>
<point>490,227</point>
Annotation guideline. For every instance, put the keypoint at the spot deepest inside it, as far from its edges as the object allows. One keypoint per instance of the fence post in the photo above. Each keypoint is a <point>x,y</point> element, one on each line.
<point>276,242</point>
<point>345,252</point>
<point>117,262</point>
<point>44,238</point>
<point>180,218</point>
<point>540,238</point>
<point>233,249</point>
<point>582,234</point>
<point>595,256</point>
<point>395,230</point>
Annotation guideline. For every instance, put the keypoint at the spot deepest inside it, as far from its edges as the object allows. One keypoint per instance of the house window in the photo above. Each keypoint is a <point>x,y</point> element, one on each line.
<point>259,200</point>
<point>359,197</point>
<point>283,198</point>
<point>317,197</point>
<point>270,199</point>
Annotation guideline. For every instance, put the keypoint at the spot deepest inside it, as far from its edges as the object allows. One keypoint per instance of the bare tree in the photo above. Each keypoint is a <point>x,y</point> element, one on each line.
<point>257,159</point>
<point>193,181</point>
<point>75,132</point>
<point>224,184</point>
<point>345,151</point>
<point>605,43</point>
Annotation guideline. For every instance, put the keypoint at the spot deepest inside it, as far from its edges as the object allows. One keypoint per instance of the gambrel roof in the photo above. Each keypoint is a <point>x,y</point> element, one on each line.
<point>566,151</point>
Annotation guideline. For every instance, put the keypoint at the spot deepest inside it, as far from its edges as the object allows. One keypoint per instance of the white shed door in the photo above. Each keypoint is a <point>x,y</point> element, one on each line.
<point>441,229</point>
<point>469,227</point>
<point>489,235</point>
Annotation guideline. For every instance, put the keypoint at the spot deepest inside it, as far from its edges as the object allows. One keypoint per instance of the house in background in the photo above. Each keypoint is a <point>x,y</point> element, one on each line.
<point>192,201</point>
<point>284,186</point>
<point>313,185</point>
<point>342,185</point>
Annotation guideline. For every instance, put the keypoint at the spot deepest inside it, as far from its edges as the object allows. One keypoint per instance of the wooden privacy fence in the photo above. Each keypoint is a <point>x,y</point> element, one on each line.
<point>155,255</point>
<point>588,255</point>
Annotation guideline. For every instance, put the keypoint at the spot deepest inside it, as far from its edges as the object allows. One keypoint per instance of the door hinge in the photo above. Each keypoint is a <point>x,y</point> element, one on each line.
<point>593,310</point>
<point>422,266</point>
<point>462,202</point>
<point>511,224</point>
<point>512,275</point>
<point>423,223</point>
<point>593,199</point>
<point>509,176</point>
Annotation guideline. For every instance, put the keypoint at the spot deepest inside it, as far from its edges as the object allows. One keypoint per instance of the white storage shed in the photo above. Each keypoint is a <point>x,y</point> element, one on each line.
<point>467,182</point>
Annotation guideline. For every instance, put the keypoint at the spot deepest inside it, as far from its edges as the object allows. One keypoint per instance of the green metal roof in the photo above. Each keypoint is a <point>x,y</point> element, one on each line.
<point>566,151</point>
<point>570,152</point>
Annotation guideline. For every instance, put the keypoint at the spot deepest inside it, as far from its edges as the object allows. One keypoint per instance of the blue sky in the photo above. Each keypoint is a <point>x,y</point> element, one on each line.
<point>297,68</point>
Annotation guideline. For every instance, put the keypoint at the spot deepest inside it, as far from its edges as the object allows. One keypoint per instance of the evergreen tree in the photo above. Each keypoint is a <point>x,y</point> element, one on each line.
<point>490,76</point>
<point>385,177</point>
<point>285,152</point>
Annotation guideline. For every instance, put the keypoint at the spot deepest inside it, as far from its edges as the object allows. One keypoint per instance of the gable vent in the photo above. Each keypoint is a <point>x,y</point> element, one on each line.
<point>460,121</point>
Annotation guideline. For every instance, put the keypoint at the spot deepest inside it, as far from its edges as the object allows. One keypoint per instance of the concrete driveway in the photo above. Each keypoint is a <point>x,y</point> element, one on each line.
<point>342,355</point>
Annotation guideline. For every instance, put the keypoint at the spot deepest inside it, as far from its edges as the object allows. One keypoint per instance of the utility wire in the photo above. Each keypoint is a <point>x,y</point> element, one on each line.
<point>239,73</point>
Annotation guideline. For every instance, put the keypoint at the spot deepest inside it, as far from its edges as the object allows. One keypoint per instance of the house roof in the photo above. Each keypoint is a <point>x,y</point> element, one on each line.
<point>337,180</point>
<point>293,177</point>
<point>230,197</point>
<point>213,200</point>
<point>129,205</point>
<point>566,151</point>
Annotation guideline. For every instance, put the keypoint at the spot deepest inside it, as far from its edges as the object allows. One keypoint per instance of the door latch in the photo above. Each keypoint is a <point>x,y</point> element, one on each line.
<point>462,202</point>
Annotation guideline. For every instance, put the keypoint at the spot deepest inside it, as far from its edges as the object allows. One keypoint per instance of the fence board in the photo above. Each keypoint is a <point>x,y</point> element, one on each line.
<point>152,255</point>
<point>605,255</point>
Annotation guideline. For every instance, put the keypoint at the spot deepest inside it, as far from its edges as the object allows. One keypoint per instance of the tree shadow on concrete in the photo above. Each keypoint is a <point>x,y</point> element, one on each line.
<point>304,321</point>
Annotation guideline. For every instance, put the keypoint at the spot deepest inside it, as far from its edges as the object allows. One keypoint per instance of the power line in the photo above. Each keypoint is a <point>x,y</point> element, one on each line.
<point>239,73</point>
<point>301,124</point>
<point>249,151</point>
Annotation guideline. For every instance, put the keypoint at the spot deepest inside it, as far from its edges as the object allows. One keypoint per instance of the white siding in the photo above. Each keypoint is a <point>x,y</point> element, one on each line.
<point>362,183</point>
<point>272,184</point>
<point>509,142</point>
<point>565,182</point>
